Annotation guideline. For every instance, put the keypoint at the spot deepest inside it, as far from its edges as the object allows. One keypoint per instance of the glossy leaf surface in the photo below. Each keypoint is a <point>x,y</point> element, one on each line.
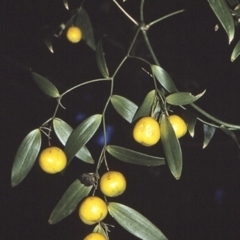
<point>222,11</point>
<point>190,117</point>
<point>69,201</point>
<point>164,78</point>
<point>134,222</point>
<point>45,85</point>
<point>236,51</point>
<point>26,156</point>
<point>124,107</point>
<point>101,62</point>
<point>63,131</point>
<point>130,156</point>
<point>81,135</point>
<point>145,108</point>
<point>208,134</point>
<point>182,98</point>
<point>172,148</point>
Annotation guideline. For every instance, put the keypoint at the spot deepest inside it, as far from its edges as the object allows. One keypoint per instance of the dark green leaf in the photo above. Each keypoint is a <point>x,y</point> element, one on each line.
<point>208,134</point>
<point>82,21</point>
<point>182,98</point>
<point>145,109</point>
<point>190,117</point>
<point>164,78</point>
<point>124,107</point>
<point>81,135</point>
<point>101,62</point>
<point>130,156</point>
<point>236,52</point>
<point>69,201</point>
<point>134,222</point>
<point>26,156</point>
<point>171,147</point>
<point>45,85</point>
<point>233,3</point>
<point>223,13</point>
<point>231,134</point>
<point>63,131</point>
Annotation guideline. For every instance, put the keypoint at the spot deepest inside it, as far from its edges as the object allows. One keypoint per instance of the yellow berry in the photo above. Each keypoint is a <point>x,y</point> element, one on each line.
<point>178,124</point>
<point>74,34</point>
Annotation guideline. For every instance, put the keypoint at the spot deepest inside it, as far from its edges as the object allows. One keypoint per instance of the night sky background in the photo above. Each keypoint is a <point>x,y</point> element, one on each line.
<point>205,202</point>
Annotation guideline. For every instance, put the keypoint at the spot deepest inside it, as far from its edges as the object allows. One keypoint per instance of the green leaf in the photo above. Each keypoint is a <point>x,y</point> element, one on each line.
<point>81,135</point>
<point>63,131</point>
<point>231,134</point>
<point>164,78</point>
<point>190,117</point>
<point>69,201</point>
<point>145,109</point>
<point>130,156</point>
<point>223,13</point>
<point>171,147</point>
<point>124,107</point>
<point>236,52</point>
<point>100,229</point>
<point>134,222</point>
<point>82,21</point>
<point>65,3</point>
<point>182,98</point>
<point>208,134</point>
<point>45,85</point>
<point>101,62</point>
<point>26,156</point>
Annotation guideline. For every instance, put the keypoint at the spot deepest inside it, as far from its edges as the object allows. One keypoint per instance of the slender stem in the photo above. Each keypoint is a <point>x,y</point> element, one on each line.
<point>84,83</point>
<point>141,11</point>
<point>132,19</point>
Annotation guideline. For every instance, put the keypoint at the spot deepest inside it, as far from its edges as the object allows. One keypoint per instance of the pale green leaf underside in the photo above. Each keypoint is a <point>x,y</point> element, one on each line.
<point>63,131</point>
<point>134,222</point>
<point>26,156</point>
<point>130,156</point>
<point>45,85</point>
<point>124,107</point>
<point>231,134</point>
<point>236,51</point>
<point>222,11</point>
<point>69,201</point>
<point>101,62</point>
<point>171,148</point>
<point>208,134</point>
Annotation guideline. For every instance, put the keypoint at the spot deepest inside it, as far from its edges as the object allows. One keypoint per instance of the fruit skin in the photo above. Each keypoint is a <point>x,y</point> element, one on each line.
<point>178,124</point>
<point>52,160</point>
<point>94,236</point>
<point>147,131</point>
<point>92,210</point>
<point>112,184</point>
<point>74,34</point>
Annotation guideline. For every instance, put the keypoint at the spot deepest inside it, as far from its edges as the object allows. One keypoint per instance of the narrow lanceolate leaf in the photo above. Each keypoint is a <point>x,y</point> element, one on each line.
<point>190,117</point>
<point>124,107</point>
<point>223,13</point>
<point>82,21</point>
<point>146,107</point>
<point>101,62</point>
<point>81,135</point>
<point>63,131</point>
<point>208,134</point>
<point>182,98</point>
<point>231,134</point>
<point>130,156</point>
<point>134,222</point>
<point>26,156</point>
<point>65,2</point>
<point>164,78</point>
<point>69,201</point>
<point>236,52</point>
<point>45,85</point>
<point>171,147</point>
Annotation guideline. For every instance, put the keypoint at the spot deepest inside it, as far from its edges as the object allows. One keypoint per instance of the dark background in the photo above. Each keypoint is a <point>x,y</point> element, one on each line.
<point>204,204</point>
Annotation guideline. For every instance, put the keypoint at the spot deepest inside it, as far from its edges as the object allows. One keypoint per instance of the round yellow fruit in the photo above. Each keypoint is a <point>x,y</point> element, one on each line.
<point>52,160</point>
<point>178,124</point>
<point>147,131</point>
<point>74,34</point>
<point>94,236</point>
<point>112,184</point>
<point>92,210</point>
